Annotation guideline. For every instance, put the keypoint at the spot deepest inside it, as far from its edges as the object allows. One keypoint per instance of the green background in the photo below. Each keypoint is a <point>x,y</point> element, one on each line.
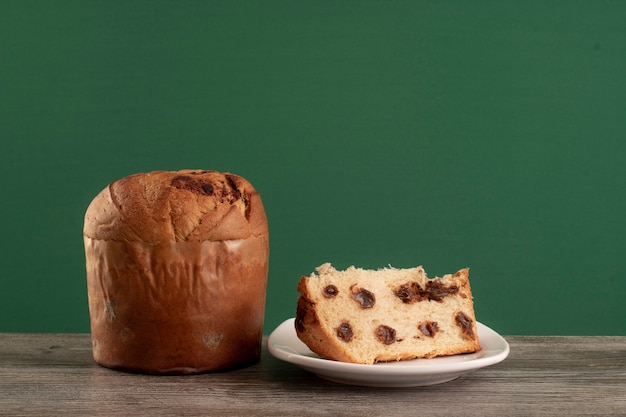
<point>486,134</point>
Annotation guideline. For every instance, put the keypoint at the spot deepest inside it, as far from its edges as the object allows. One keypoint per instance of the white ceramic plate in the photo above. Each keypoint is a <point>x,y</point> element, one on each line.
<point>284,344</point>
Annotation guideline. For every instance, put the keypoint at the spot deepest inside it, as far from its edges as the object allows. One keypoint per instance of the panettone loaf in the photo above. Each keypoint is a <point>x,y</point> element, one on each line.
<point>368,316</point>
<point>176,270</point>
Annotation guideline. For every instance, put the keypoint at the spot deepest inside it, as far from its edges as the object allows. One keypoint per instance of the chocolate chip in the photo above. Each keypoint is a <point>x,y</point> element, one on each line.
<point>385,334</point>
<point>437,290</point>
<point>465,323</point>
<point>429,328</point>
<point>410,293</point>
<point>330,291</point>
<point>365,298</point>
<point>195,185</point>
<point>207,188</point>
<point>344,331</point>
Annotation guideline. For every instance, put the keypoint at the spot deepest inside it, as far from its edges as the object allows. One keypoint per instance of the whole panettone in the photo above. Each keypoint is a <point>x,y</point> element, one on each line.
<point>177,268</point>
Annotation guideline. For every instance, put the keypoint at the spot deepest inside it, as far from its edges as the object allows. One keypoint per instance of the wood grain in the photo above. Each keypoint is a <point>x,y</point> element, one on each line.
<point>54,374</point>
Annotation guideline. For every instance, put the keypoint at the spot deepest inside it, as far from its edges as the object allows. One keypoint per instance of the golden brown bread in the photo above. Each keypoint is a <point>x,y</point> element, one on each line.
<point>188,205</point>
<point>176,269</point>
<point>368,316</point>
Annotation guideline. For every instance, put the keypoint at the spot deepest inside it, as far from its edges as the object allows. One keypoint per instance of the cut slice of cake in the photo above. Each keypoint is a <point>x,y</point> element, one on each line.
<point>368,316</point>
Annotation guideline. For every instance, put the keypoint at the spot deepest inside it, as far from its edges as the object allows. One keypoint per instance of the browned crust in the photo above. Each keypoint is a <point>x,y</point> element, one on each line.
<point>149,313</point>
<point>308,329</point>
<point>462,277</point>
<point>173,206</point>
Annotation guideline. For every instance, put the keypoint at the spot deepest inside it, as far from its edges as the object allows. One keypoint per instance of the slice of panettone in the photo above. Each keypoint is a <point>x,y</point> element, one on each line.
<point>368,316</point>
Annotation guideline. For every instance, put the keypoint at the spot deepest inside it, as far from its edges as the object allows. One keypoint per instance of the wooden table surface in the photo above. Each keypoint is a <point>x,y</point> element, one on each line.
<point>54,375</point>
